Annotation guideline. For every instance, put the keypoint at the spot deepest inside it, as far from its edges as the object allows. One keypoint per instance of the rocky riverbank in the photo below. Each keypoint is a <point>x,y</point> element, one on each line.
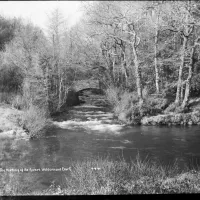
<point>9,123</point>
<point>164,118</point>
<point>192,118</point>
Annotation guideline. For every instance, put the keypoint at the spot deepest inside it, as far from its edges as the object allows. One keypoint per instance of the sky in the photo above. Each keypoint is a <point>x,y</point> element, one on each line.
<point>37,11</point>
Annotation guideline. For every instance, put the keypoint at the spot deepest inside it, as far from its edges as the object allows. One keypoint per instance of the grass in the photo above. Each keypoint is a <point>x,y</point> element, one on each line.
<point>105,177</point>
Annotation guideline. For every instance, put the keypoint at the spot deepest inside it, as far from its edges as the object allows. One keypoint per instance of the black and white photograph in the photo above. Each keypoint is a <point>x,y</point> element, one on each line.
<point>99,97</point>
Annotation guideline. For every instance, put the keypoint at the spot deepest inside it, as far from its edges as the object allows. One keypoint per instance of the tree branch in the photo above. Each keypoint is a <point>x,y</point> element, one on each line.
<point>119,38</point>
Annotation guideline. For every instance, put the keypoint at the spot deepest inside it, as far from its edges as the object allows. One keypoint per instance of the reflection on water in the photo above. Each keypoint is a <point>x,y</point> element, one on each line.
<point>75,137</point>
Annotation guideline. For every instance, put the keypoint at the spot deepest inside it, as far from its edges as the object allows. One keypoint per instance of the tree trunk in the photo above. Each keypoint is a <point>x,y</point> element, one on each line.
<point>126,74</point>
<point>47,88</point>
<point>189,78</point>
<point>138,75</point>
<point>179,84</point>
<point>113,69</point>
<point>60,93</point>
<point>182,89</point>
<point>155,58</point>
<point>124,67</point>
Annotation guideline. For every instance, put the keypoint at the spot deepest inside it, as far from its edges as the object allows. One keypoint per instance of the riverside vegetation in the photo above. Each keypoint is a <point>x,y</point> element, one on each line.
<point>154,110</point>
<point>105,176</point>
<point>145,56</point>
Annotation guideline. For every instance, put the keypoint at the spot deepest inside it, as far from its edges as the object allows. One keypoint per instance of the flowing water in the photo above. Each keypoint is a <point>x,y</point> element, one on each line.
<point>88,131</point>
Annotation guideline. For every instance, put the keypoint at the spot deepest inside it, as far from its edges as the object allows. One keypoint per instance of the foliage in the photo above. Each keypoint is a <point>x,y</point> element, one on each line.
<point>157,102</point>
<point>20,102</point>
<point>7,28</point>
<point>112,95</point>
<point>119,177</point>
<point>126,99</point>
<point>34,121</point>
<point>11,78</point>
<point>133,57</point>
<point>191,118</point>
<point>6,97</point>
<point>137,111</point>
<point>105,176</point>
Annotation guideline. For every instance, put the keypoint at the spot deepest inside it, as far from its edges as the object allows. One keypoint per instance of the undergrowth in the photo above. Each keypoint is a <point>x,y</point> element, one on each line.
<point>35,121</point>
<point>106,176</point>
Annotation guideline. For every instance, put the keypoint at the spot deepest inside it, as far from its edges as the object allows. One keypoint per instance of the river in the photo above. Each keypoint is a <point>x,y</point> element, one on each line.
<point>88,131</point>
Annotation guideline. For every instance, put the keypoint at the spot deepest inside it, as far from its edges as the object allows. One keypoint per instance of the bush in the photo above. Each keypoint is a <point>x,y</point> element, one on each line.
<point>112,95</point>
<point>34,121</point>
<point>157,102</point>
<point>106,176</point>
<point>136,112</point>
<point>125,101</point>
<point>120,177</point>
<point>16,100</point>
<point>20,102</point>
<point>175,108</point>
<point>126,106</point>
<point>6,97</point>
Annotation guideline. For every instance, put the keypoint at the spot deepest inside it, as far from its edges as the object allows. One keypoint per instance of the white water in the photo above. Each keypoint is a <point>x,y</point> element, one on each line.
<point>97,121</point>
<point>92,125</point>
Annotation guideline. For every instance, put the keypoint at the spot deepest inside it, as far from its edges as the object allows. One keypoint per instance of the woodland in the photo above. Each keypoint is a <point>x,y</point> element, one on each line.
<point>145,55</point>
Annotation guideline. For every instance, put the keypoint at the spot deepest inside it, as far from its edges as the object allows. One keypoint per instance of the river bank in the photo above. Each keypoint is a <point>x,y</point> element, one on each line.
<point>107,177</point>
<point>81,140</point>
<point>138,116</point>
<point>192,118</point>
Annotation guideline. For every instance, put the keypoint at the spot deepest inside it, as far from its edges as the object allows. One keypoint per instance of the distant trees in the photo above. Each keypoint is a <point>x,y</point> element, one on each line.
<point>7,28</point>
<point>8,76</point>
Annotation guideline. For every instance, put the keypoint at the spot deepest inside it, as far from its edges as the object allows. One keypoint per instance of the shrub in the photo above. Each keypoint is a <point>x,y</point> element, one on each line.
<point>112,95</point>
<point>157,102</point>
<point>17,101</point>
<point>118,177</point>
<point>106,176</point>
<point>99,176</point>
<point>20,102</point>
<point>136,112</point>
<point>34,121</point>
<point>145,92</point>
<point>171,108</point>
<point>176,108</point>
<point>125,101</point>
<point>127,108</point>
<point>6,97</point>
